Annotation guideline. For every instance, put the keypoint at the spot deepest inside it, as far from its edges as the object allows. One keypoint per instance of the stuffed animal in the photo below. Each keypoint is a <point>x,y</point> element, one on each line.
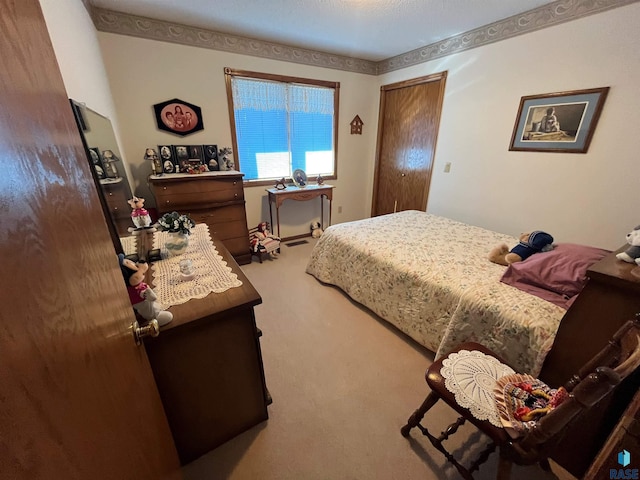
<point>139,214</point>
<point>631,254</point>
<point>142,297</point>
<point>530,243</point>
<point>264,241</point>
<point>316,231</point>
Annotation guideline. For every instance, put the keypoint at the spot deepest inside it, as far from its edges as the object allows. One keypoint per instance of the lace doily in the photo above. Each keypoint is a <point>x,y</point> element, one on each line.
<point>212,274</point>
<point>128,244</point>
<point>471,376</point>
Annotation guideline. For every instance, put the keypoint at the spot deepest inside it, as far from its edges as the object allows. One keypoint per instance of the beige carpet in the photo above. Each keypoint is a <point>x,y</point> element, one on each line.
<point>343,382</point>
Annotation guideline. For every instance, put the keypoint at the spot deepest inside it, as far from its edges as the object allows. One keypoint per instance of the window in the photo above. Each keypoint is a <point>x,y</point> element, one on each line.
<point>280,124</point>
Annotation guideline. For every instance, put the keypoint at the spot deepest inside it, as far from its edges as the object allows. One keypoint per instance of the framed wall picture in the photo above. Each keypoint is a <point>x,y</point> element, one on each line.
<point>558,122</point>
<point>211,157</point>
<point>178,117</point>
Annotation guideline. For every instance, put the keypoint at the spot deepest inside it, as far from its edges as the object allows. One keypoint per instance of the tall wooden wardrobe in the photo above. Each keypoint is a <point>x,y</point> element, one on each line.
<point>408,124</point>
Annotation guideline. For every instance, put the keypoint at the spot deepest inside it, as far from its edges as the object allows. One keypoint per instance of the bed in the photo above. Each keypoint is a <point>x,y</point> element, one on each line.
<point>429,276</point>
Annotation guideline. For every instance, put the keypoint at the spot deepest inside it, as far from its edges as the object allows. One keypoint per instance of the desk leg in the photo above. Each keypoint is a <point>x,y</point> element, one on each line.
<point>329,210</point>
<point>322,212</point>
<point>278,218</point>
<point>270,214</point>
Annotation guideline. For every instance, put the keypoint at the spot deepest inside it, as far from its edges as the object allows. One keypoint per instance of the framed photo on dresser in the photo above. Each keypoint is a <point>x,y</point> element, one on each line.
<point>211,157</point>
<point>167,157</point>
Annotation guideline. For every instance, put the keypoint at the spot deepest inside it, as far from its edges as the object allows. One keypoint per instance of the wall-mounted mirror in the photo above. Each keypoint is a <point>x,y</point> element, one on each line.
<point>108,170</point>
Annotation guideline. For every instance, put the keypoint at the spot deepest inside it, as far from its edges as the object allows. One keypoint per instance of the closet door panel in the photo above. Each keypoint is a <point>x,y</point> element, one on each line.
<point>408,129</point>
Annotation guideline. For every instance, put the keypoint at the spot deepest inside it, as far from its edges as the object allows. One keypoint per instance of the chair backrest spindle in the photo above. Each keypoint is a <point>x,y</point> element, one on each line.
<point>607,369</point>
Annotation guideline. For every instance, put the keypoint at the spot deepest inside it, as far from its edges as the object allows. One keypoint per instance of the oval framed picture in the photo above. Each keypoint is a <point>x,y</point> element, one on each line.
<point>299,178</point>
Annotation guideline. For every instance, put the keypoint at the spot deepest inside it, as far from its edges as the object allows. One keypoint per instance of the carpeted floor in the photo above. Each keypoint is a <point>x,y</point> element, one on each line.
<point>343,382</point>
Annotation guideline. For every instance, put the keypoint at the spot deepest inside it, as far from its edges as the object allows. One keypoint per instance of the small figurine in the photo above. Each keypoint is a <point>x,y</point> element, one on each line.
<point>280,185</point>
<point>316,230</point>
<point>632,253</point>
<point>139,215</point>
<point>109,159</point>
<point>186,269</point>
<point>156,164</point>
<point>264,241</point>
<point>226,163</point>
<point>320,180</point>
<point>143,298</point>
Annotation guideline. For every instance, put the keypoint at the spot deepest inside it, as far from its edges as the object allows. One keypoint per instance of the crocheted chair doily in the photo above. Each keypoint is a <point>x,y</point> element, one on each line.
<point>471,377</point>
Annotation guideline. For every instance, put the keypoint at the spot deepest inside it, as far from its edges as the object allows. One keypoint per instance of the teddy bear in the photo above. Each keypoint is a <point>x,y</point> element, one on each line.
<point>632,254</point>
<point>316,230</point>
<point>142,297</point>
<point>139,214</point>
<point>530,243</point>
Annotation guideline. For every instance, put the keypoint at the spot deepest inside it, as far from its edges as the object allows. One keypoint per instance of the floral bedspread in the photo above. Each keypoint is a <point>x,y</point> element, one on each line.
<point>430,277</point>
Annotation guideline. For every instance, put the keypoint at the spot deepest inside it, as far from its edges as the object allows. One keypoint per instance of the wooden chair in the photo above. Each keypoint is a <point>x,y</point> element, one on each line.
<point>586,388</point>
<point>257,246</point>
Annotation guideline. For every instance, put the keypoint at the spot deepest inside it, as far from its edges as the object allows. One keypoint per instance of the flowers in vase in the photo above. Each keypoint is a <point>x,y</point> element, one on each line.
<point>175,222</point>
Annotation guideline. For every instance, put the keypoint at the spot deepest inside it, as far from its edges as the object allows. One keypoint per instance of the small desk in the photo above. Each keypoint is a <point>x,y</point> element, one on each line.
<point>300,194</point>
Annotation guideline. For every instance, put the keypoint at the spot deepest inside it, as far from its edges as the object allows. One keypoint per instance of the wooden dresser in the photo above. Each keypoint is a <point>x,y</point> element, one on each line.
<point>214,198</point>
<point>207,364</point>
<point>116,193</point>
<point>610,298</point>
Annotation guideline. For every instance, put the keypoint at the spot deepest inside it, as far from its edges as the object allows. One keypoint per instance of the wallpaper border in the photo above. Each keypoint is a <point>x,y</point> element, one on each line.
<point>549,15</point>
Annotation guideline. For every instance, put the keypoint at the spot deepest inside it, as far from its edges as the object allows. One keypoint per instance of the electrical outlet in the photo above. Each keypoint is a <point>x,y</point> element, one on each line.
<point>340,209</point>
<point>447,167</point>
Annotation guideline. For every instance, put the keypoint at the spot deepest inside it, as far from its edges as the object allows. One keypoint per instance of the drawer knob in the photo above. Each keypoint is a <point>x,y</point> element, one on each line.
<point>168,202</point>
<point>164,188</point>
<point>235,183</point>
<point>235,195</point>
<point>115,208</point>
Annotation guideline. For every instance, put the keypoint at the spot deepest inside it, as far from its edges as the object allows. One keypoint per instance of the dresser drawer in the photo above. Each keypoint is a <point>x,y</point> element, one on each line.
<point>169,202</point>
<point>202,190</point>
<point>212,216</point>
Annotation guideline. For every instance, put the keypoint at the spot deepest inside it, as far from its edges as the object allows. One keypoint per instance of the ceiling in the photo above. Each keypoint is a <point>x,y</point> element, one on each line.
<point>371,30</point>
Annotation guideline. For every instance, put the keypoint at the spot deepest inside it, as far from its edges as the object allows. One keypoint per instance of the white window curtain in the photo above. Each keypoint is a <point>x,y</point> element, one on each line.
<point>264,95</point>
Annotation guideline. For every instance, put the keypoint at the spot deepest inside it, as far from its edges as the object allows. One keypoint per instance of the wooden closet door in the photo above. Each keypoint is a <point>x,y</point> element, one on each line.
<point>407,134</point>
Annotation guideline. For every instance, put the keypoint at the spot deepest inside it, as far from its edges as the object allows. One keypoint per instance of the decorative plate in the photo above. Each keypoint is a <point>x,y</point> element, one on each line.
<point>299,178</point>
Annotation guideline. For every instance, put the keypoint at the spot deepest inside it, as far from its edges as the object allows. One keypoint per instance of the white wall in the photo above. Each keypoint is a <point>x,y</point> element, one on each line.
<point>585,198</point>
<point>79,57</point>
<point>145,72</point>
<point>582,198</point>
